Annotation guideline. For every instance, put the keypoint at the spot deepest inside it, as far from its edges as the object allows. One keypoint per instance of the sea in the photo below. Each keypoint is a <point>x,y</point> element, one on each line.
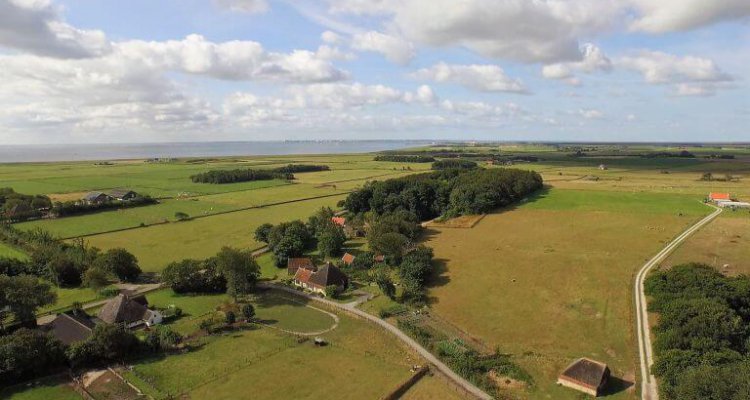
<point>101,152</point>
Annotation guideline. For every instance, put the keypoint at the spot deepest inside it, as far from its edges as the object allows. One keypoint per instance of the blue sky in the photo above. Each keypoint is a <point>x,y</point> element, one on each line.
<point>590,70</point>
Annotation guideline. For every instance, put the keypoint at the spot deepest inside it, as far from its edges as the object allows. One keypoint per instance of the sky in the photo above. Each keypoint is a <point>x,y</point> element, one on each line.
<point>105,71</point>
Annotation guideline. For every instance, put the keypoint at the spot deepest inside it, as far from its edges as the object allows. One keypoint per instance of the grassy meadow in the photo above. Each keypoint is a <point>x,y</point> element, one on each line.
<point>11,252</point>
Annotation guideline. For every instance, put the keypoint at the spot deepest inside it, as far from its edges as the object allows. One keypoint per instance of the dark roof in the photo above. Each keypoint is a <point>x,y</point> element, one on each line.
<point>123,308</point>
<point>120,193</point>
<point>70,328</point>
<point>329,274</point>
<point>348,258</point>
<point>94,195</point>
<point>587,373</point>
<point>293,264</point>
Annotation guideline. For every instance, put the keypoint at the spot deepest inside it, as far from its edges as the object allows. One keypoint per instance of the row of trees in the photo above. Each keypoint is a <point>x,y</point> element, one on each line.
<point>70,208</point>
<point>405,158</point>
<point>245,175</point>
<point>20,207</point>
<point>232,271</point>
<point>450,192</point>
<point>295,168</point>
<point>455,163</point>
<point>703,337</point>
<point>292,239</point>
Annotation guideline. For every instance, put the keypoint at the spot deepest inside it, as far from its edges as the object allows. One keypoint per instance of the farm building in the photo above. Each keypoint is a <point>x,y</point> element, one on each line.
<point>123,194</point>
<point>347,259</point>
<point>132,311</point>
<point>317,281</point>
<point>340,221</point>
<point>96,198</point>
<point>733,204</point>
<point>293,264</point>
<point>70,327</point>
<point>585,375</point>
<point>717,197</point>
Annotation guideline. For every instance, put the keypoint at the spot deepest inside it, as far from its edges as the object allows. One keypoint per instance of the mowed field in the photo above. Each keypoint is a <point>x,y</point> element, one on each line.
<point>550,280</point>
<point>723,244</point>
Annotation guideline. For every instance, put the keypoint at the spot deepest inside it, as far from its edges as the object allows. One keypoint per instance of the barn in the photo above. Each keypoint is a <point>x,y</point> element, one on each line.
<point>585,375</point>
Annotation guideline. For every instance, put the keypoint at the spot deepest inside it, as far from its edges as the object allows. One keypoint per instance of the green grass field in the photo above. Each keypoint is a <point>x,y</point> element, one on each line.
<point>11,252</point>
<point>42,389</point>
<point>549,281</point>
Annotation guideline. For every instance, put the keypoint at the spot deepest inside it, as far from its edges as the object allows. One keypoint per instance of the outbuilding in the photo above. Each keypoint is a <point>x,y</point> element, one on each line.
<point>123,194</point>
<point>295,263</point>
<point>585,375</point>
<point>94,198</point>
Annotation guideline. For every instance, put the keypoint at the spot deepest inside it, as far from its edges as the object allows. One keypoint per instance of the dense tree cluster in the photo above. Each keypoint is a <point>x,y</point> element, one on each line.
<point>450,192</point>
<point>70,208</point>
<point>295,168</point>
<point>22,295</point>
<point>20,207</point>
<point>27,353</point>
<point>414,271</point>
<point>703,337</point>
<point>232,271</point>
<point>405,158</point>
<point>239,175</point>
<point>453,164</point>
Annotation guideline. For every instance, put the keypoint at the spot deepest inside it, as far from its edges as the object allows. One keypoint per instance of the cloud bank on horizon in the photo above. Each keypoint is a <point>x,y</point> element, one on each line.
<point>184,70</point>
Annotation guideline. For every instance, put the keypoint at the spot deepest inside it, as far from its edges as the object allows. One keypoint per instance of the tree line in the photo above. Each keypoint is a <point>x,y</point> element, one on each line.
<point>70,208</point>
<point>405,158</point>
<point>221,176</point>
<point>21,207</point>
<point>454,163</point>
<point>445,193</point>
<point>702,341</point>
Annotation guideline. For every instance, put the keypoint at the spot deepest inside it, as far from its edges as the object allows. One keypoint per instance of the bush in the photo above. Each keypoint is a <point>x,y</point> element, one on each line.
<point>27,353</point>
<point>193,276</point>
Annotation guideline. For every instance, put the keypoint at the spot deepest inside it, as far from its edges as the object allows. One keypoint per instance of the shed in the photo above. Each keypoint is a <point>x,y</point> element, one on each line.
<point>585,375</point>
<point>348,259</point>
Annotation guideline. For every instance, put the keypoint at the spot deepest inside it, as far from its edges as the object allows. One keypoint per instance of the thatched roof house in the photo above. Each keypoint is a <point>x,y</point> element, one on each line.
<point>130,311</point>
<point>96,198</point>
<point>70,327</point>
<point>585,375</point>
<point>122,194</point>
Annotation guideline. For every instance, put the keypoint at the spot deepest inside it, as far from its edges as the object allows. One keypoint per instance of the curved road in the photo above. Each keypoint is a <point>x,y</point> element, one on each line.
<point>352,308</point>
<point>648,382</point>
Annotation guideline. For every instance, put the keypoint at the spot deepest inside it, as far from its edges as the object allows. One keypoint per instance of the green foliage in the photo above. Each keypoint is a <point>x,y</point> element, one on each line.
<point>121,263</point>
<point>240,270</point>
<point>330,240</point>
<point>181,216</point>
<point>230,317</point>
<point>26,353</point>
<point>289,239</point>
<point>95,278</point>
<point>161,338</point>
<point>107,343</point>
<point>331,291</point>
<point>262,232</point>
<point>294,168</point>
<point>390,244</point>
<point>248,311</point>
<point>385,283</point>
<point>239,175</point>
<point>703,332</point>
<point>392,310</point>
<point>23,294</point>
<point>414,271</point>
<point>193,276</point>
<point>71,208</point>
<point>20,207</point>
<point>453,164</point>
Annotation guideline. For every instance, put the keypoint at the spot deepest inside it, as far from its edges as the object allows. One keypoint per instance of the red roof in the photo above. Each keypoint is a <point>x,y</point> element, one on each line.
<point>719,196</point>
<point>303,275</point>
<point>348,259</point>
<point>340,221</point>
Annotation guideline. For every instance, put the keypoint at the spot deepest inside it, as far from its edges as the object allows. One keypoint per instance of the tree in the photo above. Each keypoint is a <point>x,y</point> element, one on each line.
<point>248,311</point>
<point>230,317</point>
<point>181,216</point>
<point>108,342</point>
<point>193,276</point>
<point>390,244</point>
<point>26,353</point>
<point>121,263</point>
<point>261,232</point>
<point>95,278</point>
<point>239,269</point>
<point>162,337</point>
<point>23,294</point>
<point>385,283</point>
<point>289,239</point>
<point>330,240</point>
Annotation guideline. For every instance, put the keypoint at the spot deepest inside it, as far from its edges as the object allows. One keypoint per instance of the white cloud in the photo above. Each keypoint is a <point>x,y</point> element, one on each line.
<point>361,7</point>
<point>330,37</point>
<point>690,75</point>
<point>36,26</point>
<point>423,95</point>
<point>245,6</point>
<point>395,49</point>
<point>657,16</point>
<point>590,113</point>
<point>486,78</point>
<point>593,60</point>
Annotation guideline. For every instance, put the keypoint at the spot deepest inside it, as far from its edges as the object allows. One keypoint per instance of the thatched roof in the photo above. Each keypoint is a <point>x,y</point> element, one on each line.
<point>124,309</point>
<point>329,274</point>
<point>70,328</point>
<point>586,372</point>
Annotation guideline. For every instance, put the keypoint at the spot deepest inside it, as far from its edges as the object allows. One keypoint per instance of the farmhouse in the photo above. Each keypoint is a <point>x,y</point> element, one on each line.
<point>317,281</point>
<point>717,197</point>
<point>585,375</point>
<point>122,194</point>
<point>70,327</point>
<point>293,264</point>
<point>96,198</point>
<point>347,259</point>
<point>132,311</point>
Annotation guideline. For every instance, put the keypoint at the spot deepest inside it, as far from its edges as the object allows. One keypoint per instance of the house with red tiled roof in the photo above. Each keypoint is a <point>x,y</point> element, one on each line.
<point>347,259</point>
<point>317,281</point>
<point>713,196</point>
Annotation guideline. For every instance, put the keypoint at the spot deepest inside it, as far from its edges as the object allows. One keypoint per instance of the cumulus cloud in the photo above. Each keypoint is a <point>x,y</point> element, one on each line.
<point>590,113</point>
<point>485,78</point>
<point>593,60</point>
<point>658,16</point>
<point>395,49</point>
<point>689,75</point>
<point>245,6</point>
<point>36,26</point>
